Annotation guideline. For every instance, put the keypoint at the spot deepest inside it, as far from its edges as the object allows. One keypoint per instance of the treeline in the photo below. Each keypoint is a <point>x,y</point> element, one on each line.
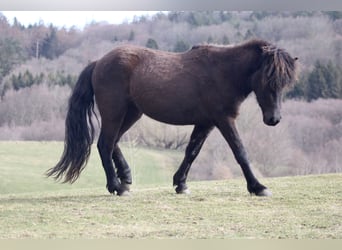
<point>323,81</point>
<point>314,37</point>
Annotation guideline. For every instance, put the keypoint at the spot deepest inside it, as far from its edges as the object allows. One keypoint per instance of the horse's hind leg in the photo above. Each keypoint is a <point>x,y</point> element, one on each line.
<point>198,136</point>
<point>123,170</point>
<point>106,144</point>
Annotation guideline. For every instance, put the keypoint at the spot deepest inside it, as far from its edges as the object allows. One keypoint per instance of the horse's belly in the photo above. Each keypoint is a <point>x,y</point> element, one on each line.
<point>172,118</point>
<point>177,111</point>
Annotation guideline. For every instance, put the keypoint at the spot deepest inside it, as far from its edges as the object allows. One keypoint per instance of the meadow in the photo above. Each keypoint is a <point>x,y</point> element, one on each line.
<point>34,207</point>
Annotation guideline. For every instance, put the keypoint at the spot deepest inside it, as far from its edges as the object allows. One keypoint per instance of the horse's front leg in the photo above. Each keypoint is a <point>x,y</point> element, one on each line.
<point>228,129</point>
<point>198,136</point>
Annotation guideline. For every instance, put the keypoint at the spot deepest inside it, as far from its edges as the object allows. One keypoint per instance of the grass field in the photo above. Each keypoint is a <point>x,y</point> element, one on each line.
<point>23,164</point>
<point>31,206</point>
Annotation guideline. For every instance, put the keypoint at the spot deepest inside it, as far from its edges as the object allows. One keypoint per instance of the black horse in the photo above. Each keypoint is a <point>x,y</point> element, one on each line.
<point>203,87</point>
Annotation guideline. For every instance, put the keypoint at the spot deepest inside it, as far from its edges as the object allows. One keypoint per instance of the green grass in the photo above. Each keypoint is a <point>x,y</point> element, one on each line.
<point>306,207</point>
<point>23,166</point>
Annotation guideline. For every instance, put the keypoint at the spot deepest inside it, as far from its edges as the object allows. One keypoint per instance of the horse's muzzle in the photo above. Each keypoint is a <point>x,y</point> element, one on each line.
<point>272,121</point>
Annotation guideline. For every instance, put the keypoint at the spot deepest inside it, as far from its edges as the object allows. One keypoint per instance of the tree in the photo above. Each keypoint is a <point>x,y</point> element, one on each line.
<point>259,15</point>
<point>131,36</point>
<point>181,46</point>
<point>225,16</point>
<point>17,24</point>
<point>10,55</point>
<point>26,79</point>
<point>333,15</point>
<point>50,44</point>
<point>225,40</point>
<point>152,44</point>
<point>299,89</point>
<point>249,34</point>
<point>331,76</point>
<point>317,85</point>
<point>324,82</point>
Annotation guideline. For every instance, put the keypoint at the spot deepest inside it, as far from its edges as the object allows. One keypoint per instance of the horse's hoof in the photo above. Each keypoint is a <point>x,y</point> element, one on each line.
<point>186,191</point>
<point>124,193</point>
<point>111,189</point>
<point>265,192</point>
<point>124,190</point>
<point>183,191</point>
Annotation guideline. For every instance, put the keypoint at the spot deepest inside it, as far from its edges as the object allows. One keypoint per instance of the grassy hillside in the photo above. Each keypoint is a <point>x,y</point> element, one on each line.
<point>23,164</point>
<point>302,207</point>
<point>32,207</point>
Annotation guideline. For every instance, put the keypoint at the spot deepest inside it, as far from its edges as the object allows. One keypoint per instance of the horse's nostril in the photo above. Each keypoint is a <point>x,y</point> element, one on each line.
<point>274,121</point>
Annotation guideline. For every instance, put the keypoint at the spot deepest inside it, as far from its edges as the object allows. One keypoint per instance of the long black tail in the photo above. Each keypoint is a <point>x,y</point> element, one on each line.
<point>79,129</point>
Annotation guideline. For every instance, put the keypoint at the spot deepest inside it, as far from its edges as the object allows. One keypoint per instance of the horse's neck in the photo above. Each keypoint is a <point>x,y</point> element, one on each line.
<point>236,66</point>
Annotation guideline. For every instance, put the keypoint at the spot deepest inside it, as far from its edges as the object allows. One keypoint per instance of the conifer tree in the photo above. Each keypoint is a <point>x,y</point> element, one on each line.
<point>317,86</point>
<point>152,44</point>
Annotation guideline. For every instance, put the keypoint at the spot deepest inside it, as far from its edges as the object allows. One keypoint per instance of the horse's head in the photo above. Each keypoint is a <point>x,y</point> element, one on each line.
<point>270,103</point>
<point>277,71</point>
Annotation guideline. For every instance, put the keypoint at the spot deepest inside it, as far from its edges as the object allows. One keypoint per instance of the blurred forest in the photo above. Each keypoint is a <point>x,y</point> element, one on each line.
<point>39,65</point>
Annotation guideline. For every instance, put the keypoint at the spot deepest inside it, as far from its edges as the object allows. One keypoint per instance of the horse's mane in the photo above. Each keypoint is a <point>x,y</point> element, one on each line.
<point>278,67</point>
